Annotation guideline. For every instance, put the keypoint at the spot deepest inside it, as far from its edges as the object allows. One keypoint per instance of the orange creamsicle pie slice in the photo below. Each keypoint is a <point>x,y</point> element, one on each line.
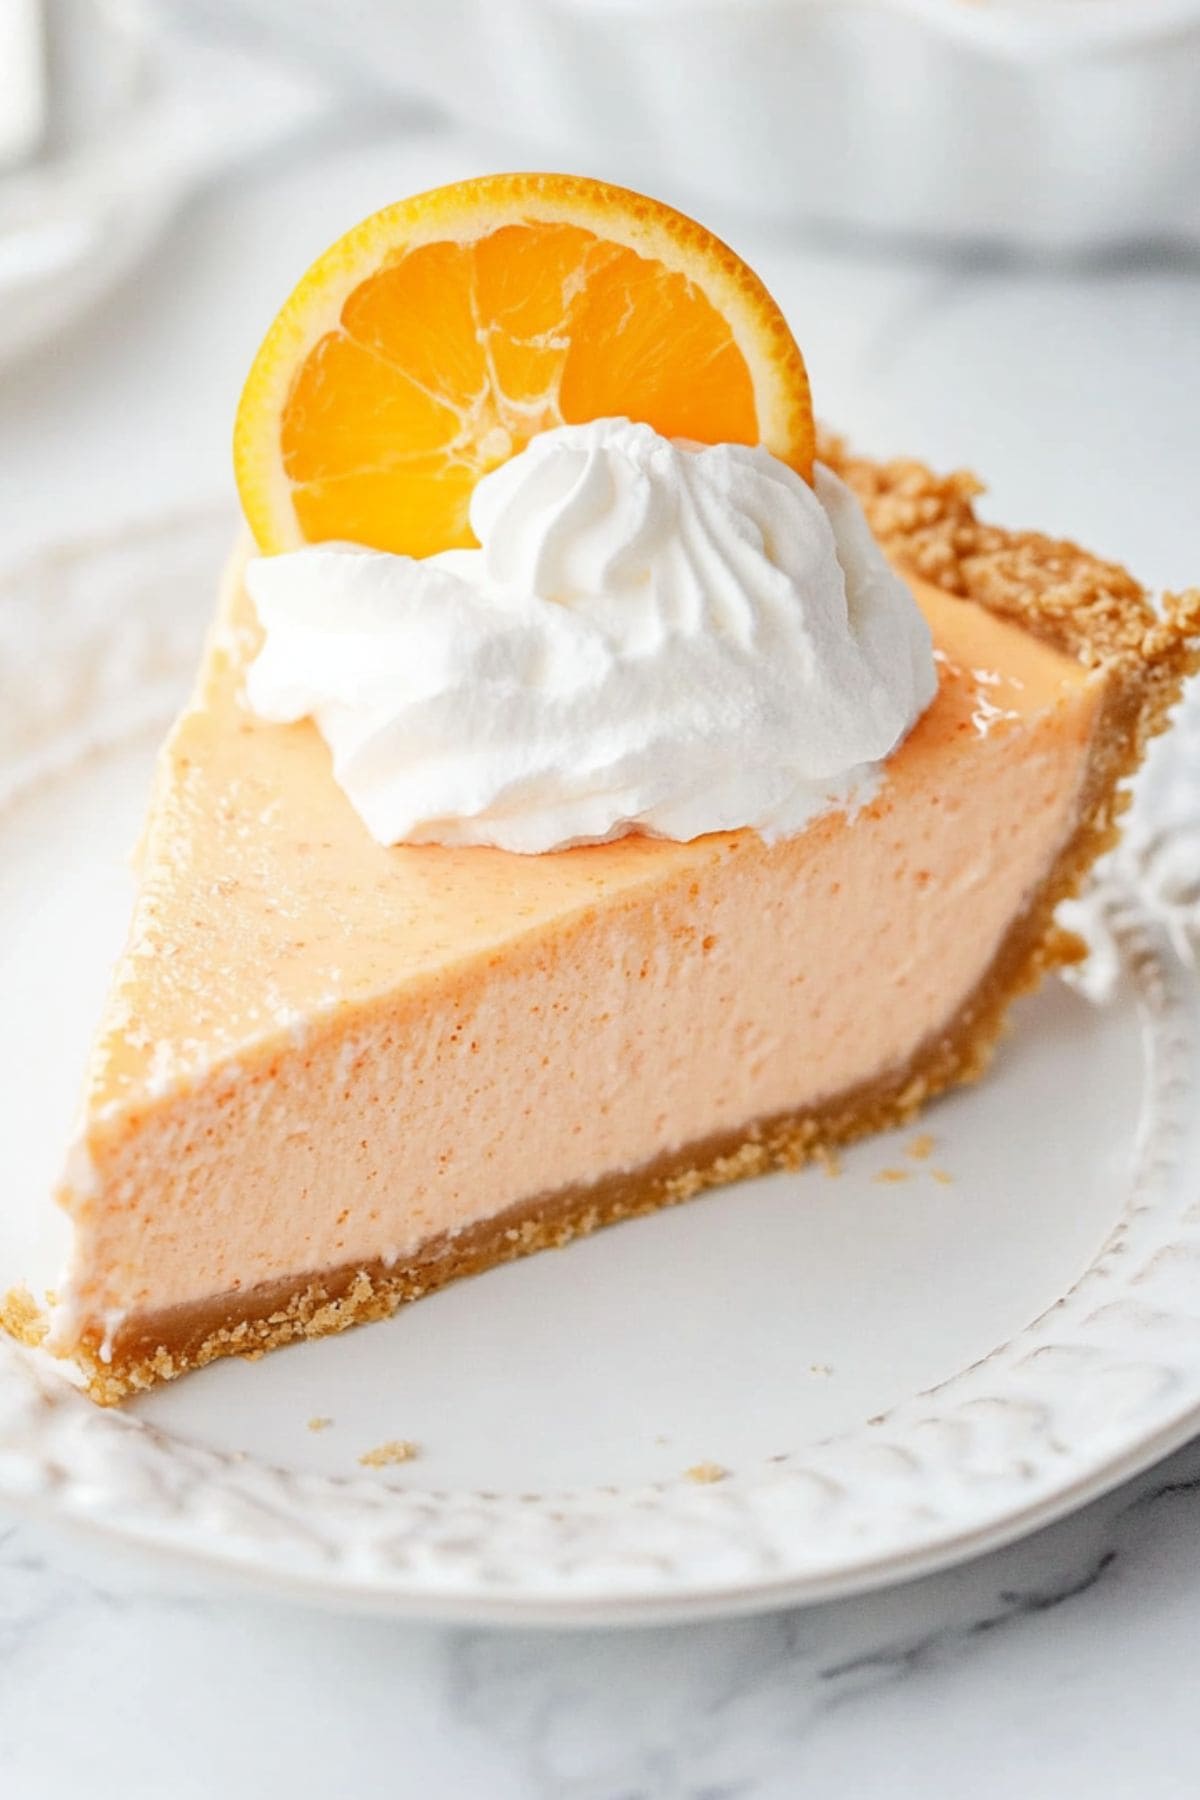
<point>333,1076</point>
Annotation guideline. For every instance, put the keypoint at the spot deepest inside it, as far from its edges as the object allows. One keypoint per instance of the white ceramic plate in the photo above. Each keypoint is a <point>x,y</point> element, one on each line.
<point>894,1373</point>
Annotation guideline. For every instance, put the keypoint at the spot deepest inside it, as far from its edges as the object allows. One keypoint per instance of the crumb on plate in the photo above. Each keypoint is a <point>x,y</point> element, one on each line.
<point>385,1456</point>
<point>704,1472</point>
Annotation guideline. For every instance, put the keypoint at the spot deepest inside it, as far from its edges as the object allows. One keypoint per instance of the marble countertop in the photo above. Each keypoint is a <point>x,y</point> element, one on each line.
<point>1062,1664</point>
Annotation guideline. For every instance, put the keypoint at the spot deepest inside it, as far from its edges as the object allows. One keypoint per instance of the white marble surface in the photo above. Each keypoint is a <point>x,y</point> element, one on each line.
<point>1063,1666</point>
<point>1060,1666</point>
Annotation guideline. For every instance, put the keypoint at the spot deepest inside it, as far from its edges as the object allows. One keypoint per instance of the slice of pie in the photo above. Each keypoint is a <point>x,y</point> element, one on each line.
<point>335,1074</point>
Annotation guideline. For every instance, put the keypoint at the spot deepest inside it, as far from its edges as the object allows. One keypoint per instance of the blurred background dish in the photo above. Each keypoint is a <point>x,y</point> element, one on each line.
<point>106,124</point>
<point>1059,125</point>
<point>22,80</point>
<point>1054,126</point>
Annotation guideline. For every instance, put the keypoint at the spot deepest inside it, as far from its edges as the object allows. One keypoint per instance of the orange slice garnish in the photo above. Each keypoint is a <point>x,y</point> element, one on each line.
<point>435,339</point>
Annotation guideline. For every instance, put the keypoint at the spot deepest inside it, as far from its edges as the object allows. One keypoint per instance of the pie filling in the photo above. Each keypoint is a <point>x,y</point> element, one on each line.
<point>157,1344</point>
<point>732,982</point>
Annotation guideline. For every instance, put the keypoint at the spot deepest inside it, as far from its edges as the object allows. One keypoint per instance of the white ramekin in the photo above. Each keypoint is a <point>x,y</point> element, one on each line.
<point>1056,124</point>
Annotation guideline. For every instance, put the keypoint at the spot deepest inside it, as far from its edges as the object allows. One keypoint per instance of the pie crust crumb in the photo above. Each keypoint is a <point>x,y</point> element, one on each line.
<point>386,1456</point>
<point>705,1472</point>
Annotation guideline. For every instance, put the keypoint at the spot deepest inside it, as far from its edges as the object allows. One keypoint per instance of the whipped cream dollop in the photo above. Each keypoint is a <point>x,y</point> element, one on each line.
<point>654,636</point>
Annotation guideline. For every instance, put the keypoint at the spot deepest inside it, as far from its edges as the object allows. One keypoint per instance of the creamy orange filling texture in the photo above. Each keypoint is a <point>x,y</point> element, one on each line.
<point>319,1050</point>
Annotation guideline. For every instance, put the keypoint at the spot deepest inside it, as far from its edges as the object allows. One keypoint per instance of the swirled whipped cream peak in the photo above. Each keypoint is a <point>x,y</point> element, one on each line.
<point>653,636</point>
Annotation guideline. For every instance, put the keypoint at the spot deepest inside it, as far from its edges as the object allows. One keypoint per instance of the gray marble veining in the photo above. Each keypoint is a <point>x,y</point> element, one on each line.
<point>1063,1659</point>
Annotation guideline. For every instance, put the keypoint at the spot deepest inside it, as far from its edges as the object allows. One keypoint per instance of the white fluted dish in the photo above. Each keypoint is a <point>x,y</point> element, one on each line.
<point>1055,125</point>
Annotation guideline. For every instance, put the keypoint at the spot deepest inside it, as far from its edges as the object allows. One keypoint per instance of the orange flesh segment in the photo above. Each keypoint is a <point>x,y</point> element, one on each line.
<point>449,360</point>
<point>432,342</point>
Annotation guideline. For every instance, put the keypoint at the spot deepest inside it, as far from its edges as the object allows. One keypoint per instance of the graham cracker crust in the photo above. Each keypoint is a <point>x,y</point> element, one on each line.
<point>1086,608</point>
